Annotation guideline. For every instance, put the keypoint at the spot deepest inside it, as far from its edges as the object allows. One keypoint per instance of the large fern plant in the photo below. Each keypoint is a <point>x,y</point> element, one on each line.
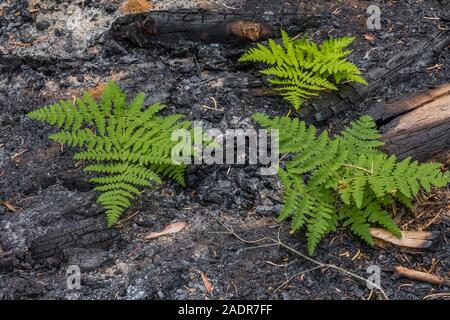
<point>127,145</point>
<point>300,69</point>
<point>345,178</point>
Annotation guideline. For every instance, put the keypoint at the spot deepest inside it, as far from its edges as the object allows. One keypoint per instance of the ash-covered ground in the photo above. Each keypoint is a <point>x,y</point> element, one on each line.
<point>56,49</point>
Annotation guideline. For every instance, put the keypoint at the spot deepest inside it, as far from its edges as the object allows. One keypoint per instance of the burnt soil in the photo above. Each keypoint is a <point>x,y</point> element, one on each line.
<point>52,50</point>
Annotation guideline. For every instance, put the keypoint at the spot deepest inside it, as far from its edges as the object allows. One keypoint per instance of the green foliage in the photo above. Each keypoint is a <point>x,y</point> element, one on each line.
<point>127,145</point>
<point>345,178</point>
<point>300,69</point>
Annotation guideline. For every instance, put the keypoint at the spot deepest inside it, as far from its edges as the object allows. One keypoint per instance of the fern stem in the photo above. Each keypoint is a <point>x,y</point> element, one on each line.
<point>359,168</point>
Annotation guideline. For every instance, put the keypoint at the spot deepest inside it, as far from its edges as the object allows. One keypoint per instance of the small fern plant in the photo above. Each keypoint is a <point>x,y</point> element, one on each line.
<point>344,179</point>
<point>127,145</point>
<point>299,69</point>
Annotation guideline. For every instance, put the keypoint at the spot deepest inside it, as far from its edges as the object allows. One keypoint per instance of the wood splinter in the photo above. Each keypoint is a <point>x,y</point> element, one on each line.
<point>420,276</point>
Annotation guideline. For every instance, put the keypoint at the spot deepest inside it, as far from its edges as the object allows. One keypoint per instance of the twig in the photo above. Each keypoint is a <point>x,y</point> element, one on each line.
<point>432,220</point>
<point>228,7</point>
<point>436,295</point>
<point>215,105</point>
<point>120,223</point>
<point>420,276</point>
<point>316,262</point>
<point>280,265</point>
<point>18,154</point>
<point>432,18</point>
<point>261,246</point>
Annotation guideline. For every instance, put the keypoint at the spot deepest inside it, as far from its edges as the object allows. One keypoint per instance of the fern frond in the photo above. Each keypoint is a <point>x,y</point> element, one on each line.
<point>299,69</point>
<point>362,136</point>
<point>348,171</point>
<point>321,219</point>
<point>127,145</point>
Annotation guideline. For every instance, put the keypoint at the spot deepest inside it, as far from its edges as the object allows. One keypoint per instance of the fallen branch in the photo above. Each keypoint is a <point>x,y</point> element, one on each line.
<point>278,242</point>
<point>420,276</point>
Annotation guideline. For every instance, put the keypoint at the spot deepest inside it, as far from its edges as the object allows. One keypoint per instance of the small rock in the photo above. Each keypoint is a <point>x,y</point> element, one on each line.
<point>161,294</point>
<point>109,8</point>
<point>58,32</point>
<point>27,39</point>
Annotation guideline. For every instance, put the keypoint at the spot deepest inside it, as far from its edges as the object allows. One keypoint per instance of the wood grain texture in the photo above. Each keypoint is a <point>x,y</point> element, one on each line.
<point>418,126</point>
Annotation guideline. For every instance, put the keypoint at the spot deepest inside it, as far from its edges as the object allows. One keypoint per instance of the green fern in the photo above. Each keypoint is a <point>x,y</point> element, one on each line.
<point>345,178</point>
<point>300,69</point>
<point>129,146</point>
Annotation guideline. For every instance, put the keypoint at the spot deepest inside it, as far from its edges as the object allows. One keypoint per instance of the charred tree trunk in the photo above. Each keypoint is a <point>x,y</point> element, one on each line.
<point>417,126</point>
<point>146,29</point>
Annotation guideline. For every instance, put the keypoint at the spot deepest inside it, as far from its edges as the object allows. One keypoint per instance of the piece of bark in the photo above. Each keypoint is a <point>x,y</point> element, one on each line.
<point>417,126</point>
<point>146,29</point>
<point>420,276</point>
<point>410,239</point>
<point>87,233</point>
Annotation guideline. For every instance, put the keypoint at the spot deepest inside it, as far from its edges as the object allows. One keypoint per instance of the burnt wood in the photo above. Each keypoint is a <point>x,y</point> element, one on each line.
<point>417,126</point>
<point>87,233</point>
<point>149,28</point>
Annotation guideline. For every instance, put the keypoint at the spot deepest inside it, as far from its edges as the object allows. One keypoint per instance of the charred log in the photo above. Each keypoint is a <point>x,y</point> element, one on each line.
<point>418,125</point>
<point>87,233</point>
<point>146,29</point>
